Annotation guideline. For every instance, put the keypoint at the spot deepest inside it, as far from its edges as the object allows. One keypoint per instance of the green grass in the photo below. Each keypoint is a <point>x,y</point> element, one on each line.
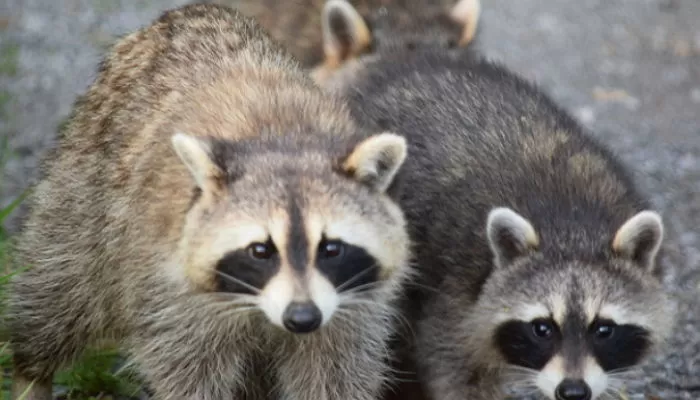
<point>5,99</point>
<point>9,59</point>
<point>96,375</point>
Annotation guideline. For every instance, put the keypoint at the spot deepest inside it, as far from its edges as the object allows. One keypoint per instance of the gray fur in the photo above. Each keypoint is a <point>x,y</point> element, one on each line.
<point>119,229</point>
<point>483,138</point>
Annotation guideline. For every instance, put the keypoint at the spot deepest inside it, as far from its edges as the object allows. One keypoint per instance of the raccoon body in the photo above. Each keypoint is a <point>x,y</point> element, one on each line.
<point>213,211</point>
<point>324,34</point>
<point>536,254</point>
<point>405,25</point>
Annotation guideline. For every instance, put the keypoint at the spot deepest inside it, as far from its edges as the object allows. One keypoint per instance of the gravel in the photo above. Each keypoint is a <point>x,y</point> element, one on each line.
<point>628,69</point>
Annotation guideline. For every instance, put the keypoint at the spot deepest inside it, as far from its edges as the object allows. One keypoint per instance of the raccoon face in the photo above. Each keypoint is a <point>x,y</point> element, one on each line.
<point>348,36</point>
<point>295,235</point>
<point>573,327</point>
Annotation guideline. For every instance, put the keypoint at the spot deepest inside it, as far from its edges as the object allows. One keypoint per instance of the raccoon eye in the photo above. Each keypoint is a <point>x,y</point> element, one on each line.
<point>262,251</point>
<point>330,249</point>
<point>542,328</point>
<point>603,330</point>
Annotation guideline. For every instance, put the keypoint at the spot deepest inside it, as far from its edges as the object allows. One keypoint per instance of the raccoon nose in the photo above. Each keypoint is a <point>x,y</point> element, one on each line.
<point>302,317</point>
<point>573,389</point>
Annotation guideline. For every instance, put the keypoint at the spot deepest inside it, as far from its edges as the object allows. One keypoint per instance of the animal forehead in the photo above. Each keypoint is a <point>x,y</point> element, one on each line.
<point>265,185</point>
<point>539,277</point>
<point>558,292</point>
<point>404,24</point>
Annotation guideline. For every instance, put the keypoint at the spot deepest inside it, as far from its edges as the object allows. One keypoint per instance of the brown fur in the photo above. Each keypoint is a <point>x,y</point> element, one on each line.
<point>296,24</point>
<point>121,240</point>
<point>410,25</point>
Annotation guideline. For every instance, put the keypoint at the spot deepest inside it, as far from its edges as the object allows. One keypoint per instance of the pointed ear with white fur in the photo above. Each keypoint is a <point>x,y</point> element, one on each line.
<point>639,238</point>
<point>345,33</point>
<point>467,13</point>
<point>509,235</point>
<point>196,155</point>
<point>376,160</point>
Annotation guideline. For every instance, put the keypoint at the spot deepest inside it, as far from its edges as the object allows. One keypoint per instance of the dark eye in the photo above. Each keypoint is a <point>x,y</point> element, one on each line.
<point>330,249</point>
<point>451,44</point>
<point>262,251</point>
<point>542,328</point>
<point>603,330</point>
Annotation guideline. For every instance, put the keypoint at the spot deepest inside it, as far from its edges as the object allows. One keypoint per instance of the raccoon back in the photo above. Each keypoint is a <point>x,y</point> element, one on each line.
<point>482,137</point>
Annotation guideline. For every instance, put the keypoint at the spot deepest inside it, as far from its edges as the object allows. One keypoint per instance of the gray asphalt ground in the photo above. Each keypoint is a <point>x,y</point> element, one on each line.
<point>628,69</point>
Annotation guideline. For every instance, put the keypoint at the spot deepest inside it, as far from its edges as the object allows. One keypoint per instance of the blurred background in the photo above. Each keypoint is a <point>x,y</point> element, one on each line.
<point>627,69</point>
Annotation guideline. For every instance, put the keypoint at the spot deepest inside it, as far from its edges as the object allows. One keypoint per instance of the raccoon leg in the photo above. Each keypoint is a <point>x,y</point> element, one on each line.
<point>347,364</point>
<point>183,355</point>
<point>184,371</point>
<point>443,361</point>
<point>48,326</point>
<point>482,388</point>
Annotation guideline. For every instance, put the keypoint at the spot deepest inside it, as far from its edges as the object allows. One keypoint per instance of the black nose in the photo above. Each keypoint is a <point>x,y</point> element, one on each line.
<point>573,389</point>
<point>302,317</point>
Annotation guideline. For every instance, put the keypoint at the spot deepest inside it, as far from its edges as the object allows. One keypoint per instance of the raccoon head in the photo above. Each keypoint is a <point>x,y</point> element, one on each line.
<point>294,232</point>
<point>347,35</point>
<point>571,326</point>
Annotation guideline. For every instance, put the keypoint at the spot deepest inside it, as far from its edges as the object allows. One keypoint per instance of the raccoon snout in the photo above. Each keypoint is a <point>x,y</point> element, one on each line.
<point>302,317</point>
<point>573,389</point>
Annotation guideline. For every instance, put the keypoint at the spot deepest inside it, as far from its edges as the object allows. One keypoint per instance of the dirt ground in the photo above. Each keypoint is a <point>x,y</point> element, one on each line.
<point>628,69</point>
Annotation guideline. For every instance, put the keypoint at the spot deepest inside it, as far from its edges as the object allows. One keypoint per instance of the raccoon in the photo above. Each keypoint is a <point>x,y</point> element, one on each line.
<point>536,253</point>
<point>402,26</point>
<point>324,34</point>
<point>215,213</point>
<point>295,24</point>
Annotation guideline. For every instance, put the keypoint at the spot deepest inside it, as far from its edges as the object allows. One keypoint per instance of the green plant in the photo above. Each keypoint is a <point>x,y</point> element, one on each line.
<point>96,375</point>
<point>9,59</point>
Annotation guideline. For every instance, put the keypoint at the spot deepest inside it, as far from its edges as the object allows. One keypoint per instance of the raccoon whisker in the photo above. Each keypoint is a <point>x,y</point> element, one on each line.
<point>614,393</point>
<point>354,299</point>
<point>522,389</point>
<point>523,370</point>
<point>235,312</point>
<point>617,382</point>
<point>624,371</point>
<point>363,304</point>
<point>521,380</point>
<point>237,309</point>
<point>231,298</point>
<point>343,317</point>
<point>419,285</point>
<point>616,385</point>
<point>225,306</point>
<point>517,377</point>
<point>374,307</point>
<point>356,277</point>
<point>352,313</point>
<point>238,281</point>
<point>362,288</point>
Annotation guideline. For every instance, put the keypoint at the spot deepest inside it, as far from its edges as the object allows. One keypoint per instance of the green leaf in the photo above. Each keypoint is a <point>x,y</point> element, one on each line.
<point>5,212</point>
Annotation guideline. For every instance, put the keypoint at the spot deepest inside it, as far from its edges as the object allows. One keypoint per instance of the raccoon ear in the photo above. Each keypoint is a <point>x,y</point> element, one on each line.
<point>509,235</point>
<point>196,155</point>
<point>467,13</point>
<point>639,238</point>
<point>345,33</point>
<point>376,160</point>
